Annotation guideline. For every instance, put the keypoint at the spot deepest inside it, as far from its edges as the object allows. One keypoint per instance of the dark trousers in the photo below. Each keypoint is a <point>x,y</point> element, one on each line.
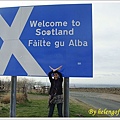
<point>51,110</point>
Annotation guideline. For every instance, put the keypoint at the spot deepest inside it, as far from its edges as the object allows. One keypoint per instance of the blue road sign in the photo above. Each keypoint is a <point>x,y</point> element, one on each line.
<point>32,38</point>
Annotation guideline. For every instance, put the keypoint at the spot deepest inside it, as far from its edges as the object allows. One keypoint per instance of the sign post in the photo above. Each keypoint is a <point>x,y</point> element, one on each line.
<point>66,97</point>
<point>13,96</point>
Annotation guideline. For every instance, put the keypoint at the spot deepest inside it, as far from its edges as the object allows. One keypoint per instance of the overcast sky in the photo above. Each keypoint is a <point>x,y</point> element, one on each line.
<point>106,40</point>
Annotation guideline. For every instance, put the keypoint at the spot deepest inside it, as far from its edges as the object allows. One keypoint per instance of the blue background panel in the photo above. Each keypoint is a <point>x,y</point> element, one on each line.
<point>77,61</point>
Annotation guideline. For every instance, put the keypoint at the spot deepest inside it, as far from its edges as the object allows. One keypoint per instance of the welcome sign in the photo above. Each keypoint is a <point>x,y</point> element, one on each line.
<point>32,38</point>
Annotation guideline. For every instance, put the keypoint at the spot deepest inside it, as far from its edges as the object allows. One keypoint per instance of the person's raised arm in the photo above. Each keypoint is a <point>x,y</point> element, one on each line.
<point>50,75</point>
<point>56,69</point>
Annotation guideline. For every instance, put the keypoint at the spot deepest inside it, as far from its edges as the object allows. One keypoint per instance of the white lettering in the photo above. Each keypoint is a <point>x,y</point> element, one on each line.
<point>30,42</point>
<point>38,32</point>
<point>59,43</point>
<point>54,32</point>
<point>44,23</point>
<point>39,24</point>
<point>78,43</point>
<point>33,23</point>
<point>75,23</point>
<point>39,43</point>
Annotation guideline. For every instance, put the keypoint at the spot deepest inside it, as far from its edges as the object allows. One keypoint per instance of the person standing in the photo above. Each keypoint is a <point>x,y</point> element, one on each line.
<point>55,92</point>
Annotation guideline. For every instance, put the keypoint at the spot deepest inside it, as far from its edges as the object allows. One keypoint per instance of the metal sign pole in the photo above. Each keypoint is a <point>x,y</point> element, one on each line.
<point>13,96</point>
<point>66,97</point>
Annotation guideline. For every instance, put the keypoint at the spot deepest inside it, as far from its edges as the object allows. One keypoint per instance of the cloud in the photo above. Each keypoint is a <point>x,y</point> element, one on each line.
<point>106,37</point>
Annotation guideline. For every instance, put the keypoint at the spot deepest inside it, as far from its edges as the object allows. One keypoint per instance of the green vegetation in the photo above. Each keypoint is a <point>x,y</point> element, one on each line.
<point>37,106</point>
<point>34,108</point>
<point>4,109</point>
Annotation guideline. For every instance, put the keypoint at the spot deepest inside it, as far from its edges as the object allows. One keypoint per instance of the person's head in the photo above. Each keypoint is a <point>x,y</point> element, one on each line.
<point>55,75</point>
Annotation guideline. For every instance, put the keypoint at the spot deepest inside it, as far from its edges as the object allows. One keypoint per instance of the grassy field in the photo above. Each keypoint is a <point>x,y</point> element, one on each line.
<point>37,106</point>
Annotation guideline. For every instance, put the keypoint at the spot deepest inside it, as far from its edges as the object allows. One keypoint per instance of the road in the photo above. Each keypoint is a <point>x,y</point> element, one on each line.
<point>102,102</point>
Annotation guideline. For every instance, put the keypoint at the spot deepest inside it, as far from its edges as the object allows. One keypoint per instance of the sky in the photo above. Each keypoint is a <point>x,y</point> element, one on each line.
<point>106,40</point>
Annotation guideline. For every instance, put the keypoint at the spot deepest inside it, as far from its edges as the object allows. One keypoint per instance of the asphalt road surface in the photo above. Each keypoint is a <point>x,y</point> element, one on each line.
<point>103,103</point>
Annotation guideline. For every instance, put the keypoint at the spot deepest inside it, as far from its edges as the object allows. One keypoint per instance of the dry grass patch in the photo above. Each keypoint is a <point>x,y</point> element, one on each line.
<point>20,98</point>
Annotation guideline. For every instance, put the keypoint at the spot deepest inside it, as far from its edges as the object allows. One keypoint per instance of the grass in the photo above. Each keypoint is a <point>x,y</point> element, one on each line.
<point>34,108</point>
<point>4,110</point>
<point>37,106</point>
<point>80,109</point>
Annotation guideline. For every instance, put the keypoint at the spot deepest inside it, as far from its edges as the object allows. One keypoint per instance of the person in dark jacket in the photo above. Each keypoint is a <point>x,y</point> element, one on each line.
<point>55,92</point>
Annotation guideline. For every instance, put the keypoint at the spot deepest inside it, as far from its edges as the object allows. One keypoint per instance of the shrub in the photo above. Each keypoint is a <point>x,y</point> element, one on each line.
<point>20,98</point>
<point>5,99</point>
